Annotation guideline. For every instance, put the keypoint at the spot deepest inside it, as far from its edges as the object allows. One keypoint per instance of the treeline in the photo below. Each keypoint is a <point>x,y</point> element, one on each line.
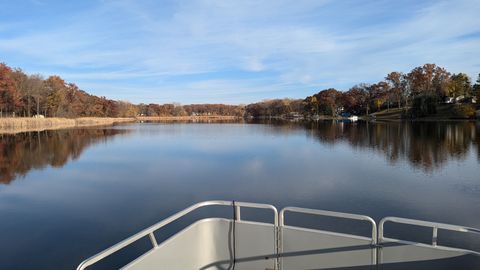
<point>418,92</point>
<point>28,95</point>
<point>176,109</point>
<point>34,95</point>
<point>275,107</point>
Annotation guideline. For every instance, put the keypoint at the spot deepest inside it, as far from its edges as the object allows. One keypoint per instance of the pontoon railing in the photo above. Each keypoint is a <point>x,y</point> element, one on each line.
<point>434,225</point>
<point>331,214</point>
<point>150,230</point>
<point>317,212</point>
<point>279,223</point>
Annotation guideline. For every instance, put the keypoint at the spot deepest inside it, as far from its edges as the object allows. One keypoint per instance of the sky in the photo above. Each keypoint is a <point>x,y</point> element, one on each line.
<point>234,52</point>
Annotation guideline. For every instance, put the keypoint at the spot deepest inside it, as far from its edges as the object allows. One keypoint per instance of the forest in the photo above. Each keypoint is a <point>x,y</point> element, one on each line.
<point>23,95</point>
<point>418,92</point>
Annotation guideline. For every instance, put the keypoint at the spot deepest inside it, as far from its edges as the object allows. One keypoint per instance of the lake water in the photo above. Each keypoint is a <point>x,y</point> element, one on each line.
<point>65,195</point>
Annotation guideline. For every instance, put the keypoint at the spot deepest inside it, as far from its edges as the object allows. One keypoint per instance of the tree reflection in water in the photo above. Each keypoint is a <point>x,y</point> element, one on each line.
<point>424,145</point>
<point>22,152</point>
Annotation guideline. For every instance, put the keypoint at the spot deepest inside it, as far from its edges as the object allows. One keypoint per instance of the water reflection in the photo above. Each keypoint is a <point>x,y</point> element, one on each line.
<point>424,145</point>
<point>116,189</point>
<point>23,152</point>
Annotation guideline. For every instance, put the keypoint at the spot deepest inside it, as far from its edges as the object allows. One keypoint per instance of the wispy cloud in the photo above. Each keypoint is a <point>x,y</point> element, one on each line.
<point>237,51</point>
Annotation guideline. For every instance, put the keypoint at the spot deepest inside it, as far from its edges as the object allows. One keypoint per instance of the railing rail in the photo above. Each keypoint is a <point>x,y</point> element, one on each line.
<point>150,230</point>
<point>331,214</point>
<point>278,224</point>
<point>317,212</point>
<point>434,225</point>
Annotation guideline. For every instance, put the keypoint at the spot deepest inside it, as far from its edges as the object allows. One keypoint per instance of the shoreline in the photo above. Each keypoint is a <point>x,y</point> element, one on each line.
<point>12,125</point>
<point>186,118</point>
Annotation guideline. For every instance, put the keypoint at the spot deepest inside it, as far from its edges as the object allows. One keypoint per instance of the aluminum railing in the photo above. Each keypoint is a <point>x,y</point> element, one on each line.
<point>434,225</point>
<point>317,212</point>
<point>331,214</point>
<point>278,224</point>
<point>150,230</point>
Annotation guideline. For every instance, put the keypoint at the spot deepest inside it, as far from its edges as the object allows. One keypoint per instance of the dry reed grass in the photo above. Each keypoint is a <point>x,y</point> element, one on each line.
<point>22,124</point>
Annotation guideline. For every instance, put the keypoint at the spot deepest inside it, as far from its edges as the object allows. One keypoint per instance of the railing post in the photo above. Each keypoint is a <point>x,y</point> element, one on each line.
<point>153,240</point>
<point>237,213</point>
<point>434,236</point>
<point>379,254</point>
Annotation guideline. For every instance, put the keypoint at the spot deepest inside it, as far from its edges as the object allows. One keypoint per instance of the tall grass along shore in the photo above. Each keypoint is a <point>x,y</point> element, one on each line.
<point>23,124</point>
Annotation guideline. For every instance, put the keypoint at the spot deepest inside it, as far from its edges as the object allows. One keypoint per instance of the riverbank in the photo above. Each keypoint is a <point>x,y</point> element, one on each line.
<point>187,118</point>
<point>24,124</point>
<point>443,112</point>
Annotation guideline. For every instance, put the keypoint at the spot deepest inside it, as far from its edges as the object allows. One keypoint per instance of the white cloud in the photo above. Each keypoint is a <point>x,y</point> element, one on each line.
<point>197,50</point>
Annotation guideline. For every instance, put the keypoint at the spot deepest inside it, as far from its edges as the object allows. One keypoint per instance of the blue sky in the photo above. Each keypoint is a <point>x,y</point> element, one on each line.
<point>234,52</point>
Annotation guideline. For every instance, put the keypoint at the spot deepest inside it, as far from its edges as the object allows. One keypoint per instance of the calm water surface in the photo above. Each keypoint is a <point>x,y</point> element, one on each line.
<point>65,195</point>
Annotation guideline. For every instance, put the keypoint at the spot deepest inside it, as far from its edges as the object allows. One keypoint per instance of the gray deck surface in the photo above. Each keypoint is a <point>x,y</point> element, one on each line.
<point>207,244</point>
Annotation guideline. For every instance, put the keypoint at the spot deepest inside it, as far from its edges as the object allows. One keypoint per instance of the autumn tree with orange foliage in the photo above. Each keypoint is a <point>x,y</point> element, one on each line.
<point>10,98</point>
<point>22,94</point>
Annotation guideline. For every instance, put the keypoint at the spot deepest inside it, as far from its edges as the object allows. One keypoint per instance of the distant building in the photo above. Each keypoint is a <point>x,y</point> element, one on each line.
<point>459,98</point>
<point>294,115</point>
<point>339,110</point>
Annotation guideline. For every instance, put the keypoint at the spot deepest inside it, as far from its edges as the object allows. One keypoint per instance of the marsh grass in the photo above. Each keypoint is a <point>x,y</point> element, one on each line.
<point>22,124</point>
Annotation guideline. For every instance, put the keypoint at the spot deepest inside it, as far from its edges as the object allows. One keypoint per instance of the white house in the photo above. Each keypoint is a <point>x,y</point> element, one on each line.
<point>459,98</point>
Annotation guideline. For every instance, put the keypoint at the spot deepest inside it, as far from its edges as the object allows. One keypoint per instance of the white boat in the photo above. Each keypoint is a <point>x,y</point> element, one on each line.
<point>235,243</point>
<point>353,118</point>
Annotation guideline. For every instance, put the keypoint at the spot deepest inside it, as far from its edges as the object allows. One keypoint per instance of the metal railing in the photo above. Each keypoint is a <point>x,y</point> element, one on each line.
<point>434,225</point>
<point>279,223</point>
<point>150,230</point>
<point>331,214</point>
<point>317,212</point>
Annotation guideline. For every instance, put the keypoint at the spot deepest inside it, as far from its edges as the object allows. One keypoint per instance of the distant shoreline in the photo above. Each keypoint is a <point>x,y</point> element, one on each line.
<point>13,125</point>
<point>187,118</point>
